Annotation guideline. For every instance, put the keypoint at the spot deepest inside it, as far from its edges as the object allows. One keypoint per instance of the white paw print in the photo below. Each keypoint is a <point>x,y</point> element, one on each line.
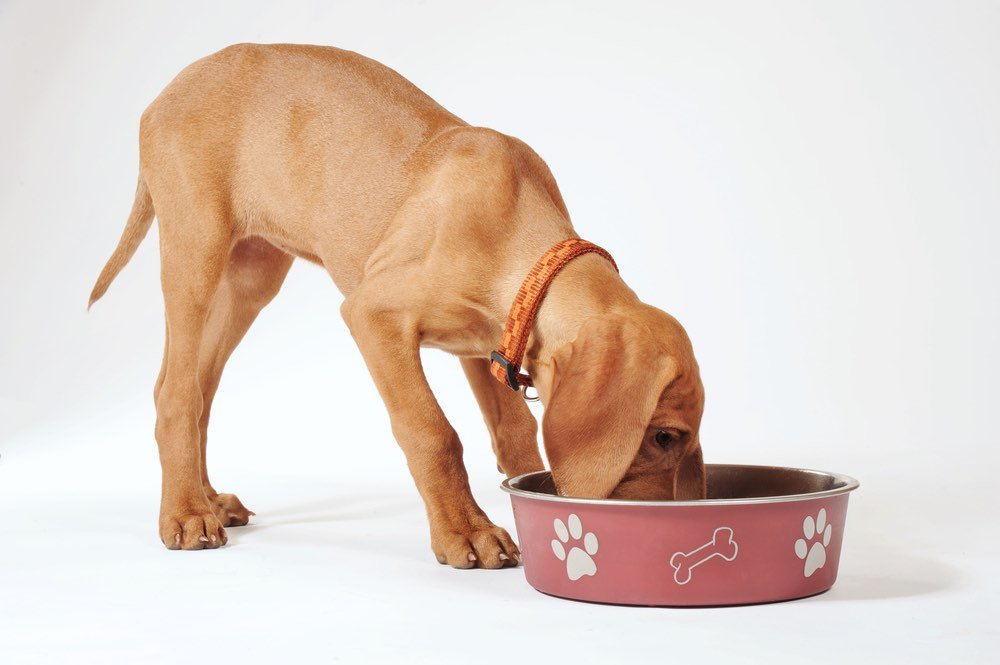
<point>579,562</point>
<point>814,555</point>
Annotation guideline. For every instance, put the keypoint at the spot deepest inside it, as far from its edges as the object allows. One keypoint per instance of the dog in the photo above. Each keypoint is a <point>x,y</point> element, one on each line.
<point>259,154</point>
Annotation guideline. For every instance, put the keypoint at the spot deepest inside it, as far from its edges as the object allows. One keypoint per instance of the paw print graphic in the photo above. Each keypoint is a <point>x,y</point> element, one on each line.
<point>579,561</point>
<point>812,547</point>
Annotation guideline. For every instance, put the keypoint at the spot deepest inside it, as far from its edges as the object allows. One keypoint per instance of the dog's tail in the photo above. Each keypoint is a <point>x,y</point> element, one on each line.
<point>139,221</point>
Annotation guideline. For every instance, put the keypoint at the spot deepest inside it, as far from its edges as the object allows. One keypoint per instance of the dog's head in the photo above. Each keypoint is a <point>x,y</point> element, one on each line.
<point>623,405</point>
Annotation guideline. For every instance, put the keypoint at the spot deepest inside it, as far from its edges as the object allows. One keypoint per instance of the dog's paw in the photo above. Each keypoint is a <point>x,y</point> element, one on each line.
<point>192,529</point>
<point>230,510</point>
<point>489,546</point>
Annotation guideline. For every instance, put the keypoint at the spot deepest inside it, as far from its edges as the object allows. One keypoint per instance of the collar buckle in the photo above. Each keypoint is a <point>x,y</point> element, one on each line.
<point>508,374</point>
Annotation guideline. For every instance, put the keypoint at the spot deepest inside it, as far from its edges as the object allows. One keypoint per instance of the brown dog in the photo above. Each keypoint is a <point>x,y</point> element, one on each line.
<point>258,154</point>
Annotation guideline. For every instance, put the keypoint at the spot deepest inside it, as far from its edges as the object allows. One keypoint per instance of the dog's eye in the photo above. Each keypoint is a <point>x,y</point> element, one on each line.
<point>664,438</point>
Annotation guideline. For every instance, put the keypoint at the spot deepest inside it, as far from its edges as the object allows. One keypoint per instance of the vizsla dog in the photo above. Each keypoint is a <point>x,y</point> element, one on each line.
<point>262,153</point>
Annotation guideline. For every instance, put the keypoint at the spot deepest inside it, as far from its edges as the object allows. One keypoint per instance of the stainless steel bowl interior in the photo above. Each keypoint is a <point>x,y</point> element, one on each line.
<point>727,483</point>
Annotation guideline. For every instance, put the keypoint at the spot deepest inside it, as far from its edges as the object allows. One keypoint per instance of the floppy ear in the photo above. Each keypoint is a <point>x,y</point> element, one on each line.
<point>605,387</point>
<point>689,482</point>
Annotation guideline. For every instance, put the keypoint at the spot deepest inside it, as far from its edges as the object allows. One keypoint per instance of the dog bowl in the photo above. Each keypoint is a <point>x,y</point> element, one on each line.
<point>763,534</point>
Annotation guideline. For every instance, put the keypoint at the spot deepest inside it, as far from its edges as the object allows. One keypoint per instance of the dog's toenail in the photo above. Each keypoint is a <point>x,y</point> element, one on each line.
<point>472,557</point>
<point>203,539</point>
<point>214,539</point>
<point>503,557</point>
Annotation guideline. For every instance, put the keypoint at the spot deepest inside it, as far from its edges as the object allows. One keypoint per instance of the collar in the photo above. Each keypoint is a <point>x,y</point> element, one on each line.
<point>505,362</point>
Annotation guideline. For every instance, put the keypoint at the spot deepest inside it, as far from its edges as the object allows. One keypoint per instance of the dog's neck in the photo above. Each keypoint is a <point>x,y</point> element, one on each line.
<point>587,287</point>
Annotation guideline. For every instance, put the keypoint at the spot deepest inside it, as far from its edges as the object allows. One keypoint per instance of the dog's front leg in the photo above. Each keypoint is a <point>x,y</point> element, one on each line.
<point>461,534</point>
<point>512,428</point>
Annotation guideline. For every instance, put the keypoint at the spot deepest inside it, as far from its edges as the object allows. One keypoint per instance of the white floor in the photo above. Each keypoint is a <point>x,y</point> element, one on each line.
<point>336,567</point>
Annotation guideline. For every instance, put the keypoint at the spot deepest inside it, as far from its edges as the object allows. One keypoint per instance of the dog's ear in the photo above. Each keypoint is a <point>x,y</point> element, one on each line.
<point>689,483</point>
<point>605,386</point>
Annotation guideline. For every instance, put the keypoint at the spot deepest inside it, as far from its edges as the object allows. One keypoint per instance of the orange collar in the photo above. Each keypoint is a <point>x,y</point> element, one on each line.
<point>505,362</point>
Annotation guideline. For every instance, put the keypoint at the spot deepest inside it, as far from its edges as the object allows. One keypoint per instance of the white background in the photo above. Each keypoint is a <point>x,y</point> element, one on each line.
<point>811,188</point>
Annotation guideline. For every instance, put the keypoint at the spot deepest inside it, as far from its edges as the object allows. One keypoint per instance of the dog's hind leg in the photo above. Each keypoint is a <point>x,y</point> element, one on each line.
<point>513,429</point>
<point>253,276</point>
<point>194,249</point>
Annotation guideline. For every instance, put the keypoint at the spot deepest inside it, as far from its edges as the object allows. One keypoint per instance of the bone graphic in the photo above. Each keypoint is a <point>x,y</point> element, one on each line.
<point>722,545</point>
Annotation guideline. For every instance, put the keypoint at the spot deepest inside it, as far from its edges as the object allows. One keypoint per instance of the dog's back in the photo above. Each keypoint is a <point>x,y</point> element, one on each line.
<point>292,137</point>
<point>316,149</point>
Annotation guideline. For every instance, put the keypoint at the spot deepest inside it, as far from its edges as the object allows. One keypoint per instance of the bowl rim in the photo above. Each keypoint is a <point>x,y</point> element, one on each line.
<point>849,484</point>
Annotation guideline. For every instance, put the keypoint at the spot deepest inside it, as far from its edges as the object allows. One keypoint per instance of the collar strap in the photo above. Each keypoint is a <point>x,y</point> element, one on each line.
<point>505,362</point>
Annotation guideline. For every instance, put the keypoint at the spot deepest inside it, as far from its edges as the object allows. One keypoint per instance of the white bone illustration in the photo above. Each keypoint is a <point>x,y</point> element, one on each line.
<point>722,545</point>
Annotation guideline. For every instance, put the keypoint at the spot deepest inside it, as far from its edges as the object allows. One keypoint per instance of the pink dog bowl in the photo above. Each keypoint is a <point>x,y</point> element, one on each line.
<point>764,534</point>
